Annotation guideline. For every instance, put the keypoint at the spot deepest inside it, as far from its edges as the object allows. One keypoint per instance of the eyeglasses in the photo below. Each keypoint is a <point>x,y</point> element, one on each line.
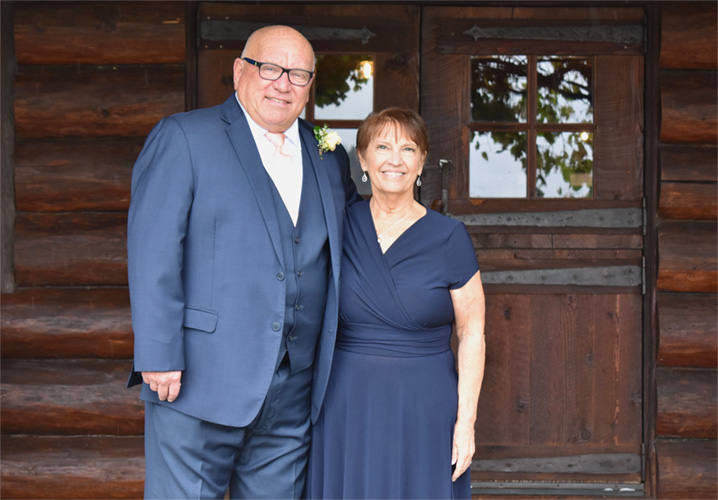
<point>269,71</point>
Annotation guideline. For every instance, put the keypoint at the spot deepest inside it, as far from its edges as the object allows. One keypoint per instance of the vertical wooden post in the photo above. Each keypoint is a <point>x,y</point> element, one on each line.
<point>7,149</point>
<point>650,244</point>
<point>191,55</point>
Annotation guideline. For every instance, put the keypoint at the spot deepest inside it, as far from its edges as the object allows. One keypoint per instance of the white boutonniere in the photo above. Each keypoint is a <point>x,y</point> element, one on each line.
<point>327,139</point>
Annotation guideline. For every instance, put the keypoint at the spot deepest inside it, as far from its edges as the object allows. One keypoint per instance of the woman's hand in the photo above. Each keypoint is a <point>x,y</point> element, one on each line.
<point>469,313</point>
<point>464,447</point>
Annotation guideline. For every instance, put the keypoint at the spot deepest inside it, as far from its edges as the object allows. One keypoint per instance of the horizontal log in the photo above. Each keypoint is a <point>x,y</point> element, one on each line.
<point>464,206</point>
<point>75,174</point>
<point>611,218</point>
<point>514,466</point>
<point>687,257</point>
<point>60,101</point>
<point>82,248</point>
<point>687,469</point>
<point>687,405</point>
<point>449,30</point>
<point>45,467</point>
<point>69,396</point>
<point>555,241</point>
<point>688,325</point>
<point>66,323</point>
<point>688,35</point>
<point>689,162</point>
<point>598,465</point>
<point>689,106</point>
<point>603,276</point>
<point>688,200</point>
<point>99,32</point>
<point>493,259</point>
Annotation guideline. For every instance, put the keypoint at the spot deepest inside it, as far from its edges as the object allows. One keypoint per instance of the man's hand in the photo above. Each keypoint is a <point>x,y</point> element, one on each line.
<point>165,384</point>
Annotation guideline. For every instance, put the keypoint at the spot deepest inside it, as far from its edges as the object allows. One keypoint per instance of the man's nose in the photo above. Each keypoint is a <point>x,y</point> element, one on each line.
<point>282,83</point>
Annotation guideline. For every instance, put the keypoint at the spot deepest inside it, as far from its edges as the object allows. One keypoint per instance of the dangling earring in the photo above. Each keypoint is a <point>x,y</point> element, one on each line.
<point>364,178</point>
<point>418,180</point>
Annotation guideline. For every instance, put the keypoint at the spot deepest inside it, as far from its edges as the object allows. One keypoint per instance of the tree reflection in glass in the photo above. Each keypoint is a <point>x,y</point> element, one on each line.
<point>559,91</point>
<point>565,89</point>
<point>564,165</point>
<point>344,87</point>
<point>498,88</point>
<point>497,165</point>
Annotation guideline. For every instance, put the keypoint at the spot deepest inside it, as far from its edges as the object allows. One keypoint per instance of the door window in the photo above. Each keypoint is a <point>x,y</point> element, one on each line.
<point>531,118</point>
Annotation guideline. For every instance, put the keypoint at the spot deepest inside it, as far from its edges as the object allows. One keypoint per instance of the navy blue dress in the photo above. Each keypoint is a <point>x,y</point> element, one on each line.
<point>387,424</point>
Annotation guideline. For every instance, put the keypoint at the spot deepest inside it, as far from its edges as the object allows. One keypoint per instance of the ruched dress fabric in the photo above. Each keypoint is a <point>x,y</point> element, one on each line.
<point>386,427</point>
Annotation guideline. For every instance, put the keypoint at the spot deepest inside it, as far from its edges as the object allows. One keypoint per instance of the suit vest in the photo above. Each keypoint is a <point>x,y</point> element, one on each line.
<point>306,270</point>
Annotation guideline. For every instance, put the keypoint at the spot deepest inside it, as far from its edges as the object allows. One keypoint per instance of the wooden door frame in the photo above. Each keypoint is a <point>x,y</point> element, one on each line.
<point>651,173</point>
<point>7,146</point>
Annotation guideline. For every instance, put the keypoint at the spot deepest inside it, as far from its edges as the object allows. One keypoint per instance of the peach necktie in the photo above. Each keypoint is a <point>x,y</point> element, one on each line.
<point>287,176</point>
<point>277,139</point>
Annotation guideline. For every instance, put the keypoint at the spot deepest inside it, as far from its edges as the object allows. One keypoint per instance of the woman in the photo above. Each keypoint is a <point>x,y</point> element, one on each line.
<point>396,422</point>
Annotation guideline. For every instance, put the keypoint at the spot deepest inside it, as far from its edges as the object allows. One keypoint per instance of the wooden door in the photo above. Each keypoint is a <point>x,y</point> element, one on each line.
<point>558,232</point>
<point>367,58</point>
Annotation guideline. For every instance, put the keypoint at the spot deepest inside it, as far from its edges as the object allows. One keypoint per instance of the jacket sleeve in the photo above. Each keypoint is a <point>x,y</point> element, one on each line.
<point>161,199</point>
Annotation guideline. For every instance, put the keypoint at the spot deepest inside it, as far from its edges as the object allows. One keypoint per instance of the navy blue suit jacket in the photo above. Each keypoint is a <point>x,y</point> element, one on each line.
<point>204,257</point>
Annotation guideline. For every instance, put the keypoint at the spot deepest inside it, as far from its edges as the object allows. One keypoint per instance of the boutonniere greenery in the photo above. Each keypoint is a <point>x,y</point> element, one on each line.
<point>327,139</point>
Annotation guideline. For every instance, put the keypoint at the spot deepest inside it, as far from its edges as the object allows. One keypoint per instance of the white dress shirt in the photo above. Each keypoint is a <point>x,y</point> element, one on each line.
<point>287,179</point>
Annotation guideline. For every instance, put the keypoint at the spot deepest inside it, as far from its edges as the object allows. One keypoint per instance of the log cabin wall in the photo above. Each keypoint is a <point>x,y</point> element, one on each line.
<point>92,79</point>
<point>686,283</point>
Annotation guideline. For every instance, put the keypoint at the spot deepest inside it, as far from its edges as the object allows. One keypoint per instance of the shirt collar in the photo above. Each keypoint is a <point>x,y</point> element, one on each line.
<point>292,133</point>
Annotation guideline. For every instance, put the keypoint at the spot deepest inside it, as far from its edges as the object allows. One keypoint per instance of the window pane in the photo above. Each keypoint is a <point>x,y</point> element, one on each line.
<point>498,88</point>
<point>497,165</point>
<point>565,90</point>
<point>344,88</point>
<point>564,164</point>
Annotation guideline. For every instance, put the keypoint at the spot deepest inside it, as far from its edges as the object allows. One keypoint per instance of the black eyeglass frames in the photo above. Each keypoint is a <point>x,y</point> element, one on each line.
<point>270,71</point>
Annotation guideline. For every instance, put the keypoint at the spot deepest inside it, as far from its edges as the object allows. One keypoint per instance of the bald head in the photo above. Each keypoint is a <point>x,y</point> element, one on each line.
<point>277,35</point>
<point>273,104</point>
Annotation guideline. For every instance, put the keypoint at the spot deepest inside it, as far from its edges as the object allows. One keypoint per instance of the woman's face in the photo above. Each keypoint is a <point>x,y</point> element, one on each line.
<point>392,161</point>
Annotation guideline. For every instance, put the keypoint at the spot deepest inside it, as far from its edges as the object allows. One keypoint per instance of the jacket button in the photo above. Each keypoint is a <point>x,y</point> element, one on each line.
<point>291,338</point>
<point>297,240</point>
<point>300,273</point>
<point>276,326</point>
<point>280,276</point>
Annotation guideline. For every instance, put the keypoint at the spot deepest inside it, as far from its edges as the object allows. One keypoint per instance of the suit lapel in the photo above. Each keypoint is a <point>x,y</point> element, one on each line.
<point>251,163</point>
<point>310,153</point>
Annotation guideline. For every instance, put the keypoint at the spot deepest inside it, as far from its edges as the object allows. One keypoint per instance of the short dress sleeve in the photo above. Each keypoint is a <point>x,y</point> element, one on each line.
<point>460,257</point>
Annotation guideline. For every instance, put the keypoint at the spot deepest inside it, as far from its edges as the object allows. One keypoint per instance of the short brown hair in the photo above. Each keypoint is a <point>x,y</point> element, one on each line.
<point>405,120</point>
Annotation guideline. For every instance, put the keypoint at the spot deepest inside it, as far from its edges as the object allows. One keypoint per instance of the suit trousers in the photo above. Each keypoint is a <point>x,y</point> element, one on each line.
<point>186,457</point>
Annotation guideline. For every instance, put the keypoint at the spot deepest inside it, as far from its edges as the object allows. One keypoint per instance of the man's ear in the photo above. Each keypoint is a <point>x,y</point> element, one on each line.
<point>237,71</point>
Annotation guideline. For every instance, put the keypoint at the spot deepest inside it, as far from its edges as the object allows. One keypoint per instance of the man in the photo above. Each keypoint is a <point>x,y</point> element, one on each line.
<point>234,244</point>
